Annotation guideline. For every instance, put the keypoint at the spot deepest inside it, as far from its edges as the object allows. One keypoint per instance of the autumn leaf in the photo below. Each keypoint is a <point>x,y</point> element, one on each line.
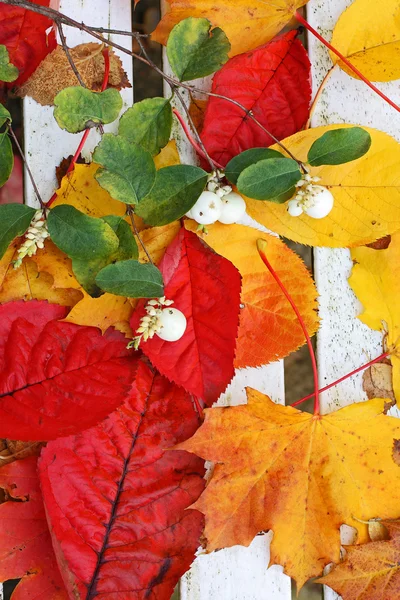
<point>104,312</point>
<point>247,25</point>
<point>282,469</point>
<point>268,328</point>
<point>376,283</point>
<point>370,570</point>
<point>168,156</point>
<point>206,288</point>
<point>23,32</point>
<point>26,551</point>
<point>134,537</point>
<point>57,378</point>
<point>273,82</point>
<point>368,34</point>
<point>55,73</point>
<point>366,193</point>
<point>157,240</point>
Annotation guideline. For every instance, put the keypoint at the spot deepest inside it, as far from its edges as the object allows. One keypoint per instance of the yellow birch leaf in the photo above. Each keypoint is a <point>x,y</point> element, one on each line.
<point>375,279</point>
<point>368,34</point>
<point>157,240</point>
<point>53,261</point>
<point>103,312</point>
<point>299,474</point>
<point>268,329</point>
<point>168,156</point>
<point>366,192</point>
<point>247,23</point>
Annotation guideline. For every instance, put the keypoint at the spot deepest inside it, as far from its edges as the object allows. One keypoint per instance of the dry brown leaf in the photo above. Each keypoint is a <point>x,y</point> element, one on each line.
<point>15,450</point>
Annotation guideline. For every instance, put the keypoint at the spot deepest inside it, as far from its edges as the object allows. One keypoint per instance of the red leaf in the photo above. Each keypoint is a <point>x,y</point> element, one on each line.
<point>26,549</point>
<point>206,288</point>
<point>116,501</point>
<point>273,82</point>
<point>57,378</point>
<point>23,32</point>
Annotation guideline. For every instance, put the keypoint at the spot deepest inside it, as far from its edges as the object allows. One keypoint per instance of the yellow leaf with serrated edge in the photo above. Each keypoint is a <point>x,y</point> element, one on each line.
<point>268,329</point>
<point>375,279</point>
<point>366,192</point>
<point>103,312</point>
<point>368,34</point>
<point>247,23</point>
<point>300,475</point>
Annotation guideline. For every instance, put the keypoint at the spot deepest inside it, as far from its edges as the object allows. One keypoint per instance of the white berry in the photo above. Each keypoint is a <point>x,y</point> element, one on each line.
<point>294,208</point>
<point>320,202</point>
<point>207,209</point>
<point>233,208</point>
<point>173,325</point>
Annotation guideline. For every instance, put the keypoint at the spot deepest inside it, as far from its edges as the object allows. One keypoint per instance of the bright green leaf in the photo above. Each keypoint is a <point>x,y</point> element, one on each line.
<point>148,123</point>
<point>127,244</point>
<point>6,158</point>
<point>129,171</point>
<point>175,191</point>
<point>247,158</point>
<point>77,108</point>
<point>273,179</point>
<point>194,50</point>
<point>8,72</point>
<point>4,115</point>
<point>339,146</point>
<point>132,279</point>
<point>14,221</point>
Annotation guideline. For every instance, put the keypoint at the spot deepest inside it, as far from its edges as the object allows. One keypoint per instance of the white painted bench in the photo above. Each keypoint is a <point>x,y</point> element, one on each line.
<point>343,342</point>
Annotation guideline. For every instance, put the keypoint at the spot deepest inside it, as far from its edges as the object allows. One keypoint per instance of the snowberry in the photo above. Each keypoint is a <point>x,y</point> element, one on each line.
<point>294,208</point>
<point>173,325</point>
<point>207,209</point>
<point>233,208</point>
<point>320,202</point>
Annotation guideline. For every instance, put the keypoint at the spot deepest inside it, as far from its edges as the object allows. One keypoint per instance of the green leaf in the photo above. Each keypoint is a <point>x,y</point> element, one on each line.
<point>6,158</point>
<point>273,179</point>
<point>247,158</point>
<point>194,50</point>
<point>4,115</point>
<point>8,72</point>
<point>175,191</point>
<point>77,108</point>
<point>132,279</point>
<point>129,171</point>
<point>148,123</point>
<point>339,146</point>
<point>127,244</point>
<point>14,221</point>
<point>81,236</point>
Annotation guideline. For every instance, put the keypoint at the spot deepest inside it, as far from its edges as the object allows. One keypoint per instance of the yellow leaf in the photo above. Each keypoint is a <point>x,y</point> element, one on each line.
<point>300,475</point>
<point>366,192</point>
<point>268,328</point>
<point>368,34</point>
<point>247,23</point>
<point>104,312</point>
<point>157,240</point>
<point>53,261</point>
<point>168,156</point>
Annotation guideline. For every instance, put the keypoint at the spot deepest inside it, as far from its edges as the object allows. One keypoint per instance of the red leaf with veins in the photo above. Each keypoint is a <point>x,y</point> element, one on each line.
<point>23,32</point>
<point>116,500</point>
<point>273,81</point>
<point>57,378</point>
<point>26,551</point>
<point>206,288</point>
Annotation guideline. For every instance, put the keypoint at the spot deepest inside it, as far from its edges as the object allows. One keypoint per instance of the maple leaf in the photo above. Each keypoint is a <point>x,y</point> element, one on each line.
<point>273,82</point>
<point>366,195</point>
<point>206,288</point>
<point>370,570</point>
<point>282,469</point>
<point>247,25</point>
<point>368,34</point>
<point>268,328</point>
<point>23,32</point>
<point>57,378</point>
<point>375,281</point>
<point>116,501</point>
<point>26,550</point>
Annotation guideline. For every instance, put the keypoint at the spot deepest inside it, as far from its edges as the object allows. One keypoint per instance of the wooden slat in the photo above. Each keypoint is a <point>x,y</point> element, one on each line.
<point>344,343</point>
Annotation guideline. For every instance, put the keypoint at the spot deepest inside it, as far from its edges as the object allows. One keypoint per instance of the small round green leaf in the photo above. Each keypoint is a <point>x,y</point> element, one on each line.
<point>128,172</point>
<point>8,72</point>
<point>77,108</point>
<point>175,191</point>
<point>273,179</point>
<point>247,158</point>
<point>132,279</point>
<point>81,236</point>
<point>127,244</point>
<point>339,146</point>
<point>4,115</point>
<point>6,158</point>
<point>14,221</point>
<point>195,50</point>
<point>148,123</point>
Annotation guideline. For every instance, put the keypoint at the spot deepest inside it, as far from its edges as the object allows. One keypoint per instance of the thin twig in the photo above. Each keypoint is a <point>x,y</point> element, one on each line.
<point>136,231</point>
<point>68,55</point>
<point>318,95</point>
<point>21,152</point>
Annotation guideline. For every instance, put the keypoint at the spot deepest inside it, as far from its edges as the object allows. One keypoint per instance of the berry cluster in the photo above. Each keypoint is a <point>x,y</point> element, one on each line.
<point>167,323</point>
<point>315,201</point>
<point>34,237</point>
